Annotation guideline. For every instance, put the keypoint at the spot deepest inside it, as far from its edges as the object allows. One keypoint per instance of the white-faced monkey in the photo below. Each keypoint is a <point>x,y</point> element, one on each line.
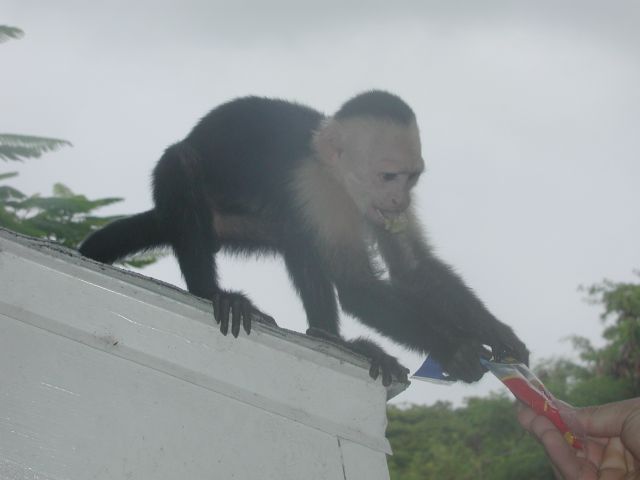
<point>264,175</point>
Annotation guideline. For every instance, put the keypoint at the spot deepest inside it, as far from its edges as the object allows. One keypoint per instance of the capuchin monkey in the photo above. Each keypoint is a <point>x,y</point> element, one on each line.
<point>328,194</point>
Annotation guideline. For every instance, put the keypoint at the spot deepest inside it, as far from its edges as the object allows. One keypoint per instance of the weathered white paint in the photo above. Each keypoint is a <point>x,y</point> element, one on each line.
<point>106,374</point>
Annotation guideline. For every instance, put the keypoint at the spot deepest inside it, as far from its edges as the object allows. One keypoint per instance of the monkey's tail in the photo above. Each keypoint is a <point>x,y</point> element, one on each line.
<point>124,237</point>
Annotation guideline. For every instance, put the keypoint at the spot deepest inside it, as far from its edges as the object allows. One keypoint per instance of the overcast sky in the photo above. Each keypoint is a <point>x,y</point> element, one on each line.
<point>529,114</point>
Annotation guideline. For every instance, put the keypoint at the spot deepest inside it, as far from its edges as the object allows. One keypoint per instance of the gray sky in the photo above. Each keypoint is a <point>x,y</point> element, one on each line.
<point>529,115</point>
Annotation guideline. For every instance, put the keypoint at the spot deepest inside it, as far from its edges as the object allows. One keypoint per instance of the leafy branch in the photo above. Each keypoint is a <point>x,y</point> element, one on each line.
<point>65,217</point>
<point>7,32</point>
<point>18,147</point>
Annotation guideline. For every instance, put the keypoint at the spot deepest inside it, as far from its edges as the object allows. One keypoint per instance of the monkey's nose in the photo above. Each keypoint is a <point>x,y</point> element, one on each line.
<point>399,204</point>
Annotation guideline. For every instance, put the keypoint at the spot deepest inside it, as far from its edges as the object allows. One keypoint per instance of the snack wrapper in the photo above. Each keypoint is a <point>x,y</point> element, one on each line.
<point>526,387</point>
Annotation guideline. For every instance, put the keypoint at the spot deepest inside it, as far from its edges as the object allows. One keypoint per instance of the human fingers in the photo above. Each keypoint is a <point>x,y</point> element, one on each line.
<point>630,435</point>
<point>615,462</point>
<point>608,420</point>
<point>563,457</point>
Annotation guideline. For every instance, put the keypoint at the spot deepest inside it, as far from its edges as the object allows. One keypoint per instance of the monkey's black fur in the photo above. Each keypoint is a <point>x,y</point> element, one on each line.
<point>229,184</point>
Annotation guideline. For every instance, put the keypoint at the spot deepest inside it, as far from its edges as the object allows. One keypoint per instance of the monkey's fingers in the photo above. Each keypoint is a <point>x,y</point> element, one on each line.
<point>505,344</point>
<point>386,377</point>
<point>246,316</point>
<point>225,306</point>
<point>374,370</point>
<point>403,373</point>
<point>216,308</point>
<point>511,348</point>
<point>392,368</point>
<point>236,311</point>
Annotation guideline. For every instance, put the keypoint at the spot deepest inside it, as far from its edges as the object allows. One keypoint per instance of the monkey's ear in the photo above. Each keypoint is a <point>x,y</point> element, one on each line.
<point>327,141</point>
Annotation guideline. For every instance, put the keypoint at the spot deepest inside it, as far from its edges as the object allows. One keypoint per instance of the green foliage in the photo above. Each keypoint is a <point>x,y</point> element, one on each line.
<point>18,147</point>
<point>65,217</point>
<point>478,441</point>
<point>7,32</point>
<point>620,358</point>
<point>483,440</point>
<point>582,385</point>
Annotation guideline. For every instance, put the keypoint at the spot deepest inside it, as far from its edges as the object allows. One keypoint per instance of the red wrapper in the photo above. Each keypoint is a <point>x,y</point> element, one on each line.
<point>527,388</point>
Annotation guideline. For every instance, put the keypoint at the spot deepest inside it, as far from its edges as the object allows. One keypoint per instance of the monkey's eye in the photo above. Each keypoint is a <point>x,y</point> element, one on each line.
<point>413,178</point>
<point>388,177</point>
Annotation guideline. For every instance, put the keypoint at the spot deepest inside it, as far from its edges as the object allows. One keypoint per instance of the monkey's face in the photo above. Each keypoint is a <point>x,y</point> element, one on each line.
<point>379,163</point>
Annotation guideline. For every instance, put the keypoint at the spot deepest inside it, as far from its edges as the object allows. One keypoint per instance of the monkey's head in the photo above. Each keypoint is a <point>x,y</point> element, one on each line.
<point>372,146</point>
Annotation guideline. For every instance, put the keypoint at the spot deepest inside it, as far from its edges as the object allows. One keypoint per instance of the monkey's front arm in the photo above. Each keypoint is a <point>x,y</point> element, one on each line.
<point>461,324</point>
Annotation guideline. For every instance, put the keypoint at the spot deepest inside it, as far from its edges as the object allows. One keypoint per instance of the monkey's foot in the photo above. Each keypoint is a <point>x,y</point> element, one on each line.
<point>239,309</point>
<point>390,367</point>
<point>381,362</point>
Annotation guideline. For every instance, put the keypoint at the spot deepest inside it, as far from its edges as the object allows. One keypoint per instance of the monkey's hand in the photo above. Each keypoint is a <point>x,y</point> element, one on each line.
<point>460,356</point>
<point>241,311</point>
<point>505,344</point>
<point>381,362</point>
<point>461,359</point>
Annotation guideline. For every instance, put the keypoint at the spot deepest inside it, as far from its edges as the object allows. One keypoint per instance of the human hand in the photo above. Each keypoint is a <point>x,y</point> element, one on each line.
<point>612,446</point>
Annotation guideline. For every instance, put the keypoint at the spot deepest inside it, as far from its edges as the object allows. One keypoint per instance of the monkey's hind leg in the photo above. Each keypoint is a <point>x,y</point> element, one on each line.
<point>319,299</point>
<point>185,214</point>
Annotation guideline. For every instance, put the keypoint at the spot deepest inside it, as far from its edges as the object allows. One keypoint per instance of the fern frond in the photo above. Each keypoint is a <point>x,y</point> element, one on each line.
<point>7,32</point>
<point>18,147</point>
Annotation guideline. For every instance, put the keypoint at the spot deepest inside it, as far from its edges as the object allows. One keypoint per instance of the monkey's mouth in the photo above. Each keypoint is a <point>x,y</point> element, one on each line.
<point>393,222</point>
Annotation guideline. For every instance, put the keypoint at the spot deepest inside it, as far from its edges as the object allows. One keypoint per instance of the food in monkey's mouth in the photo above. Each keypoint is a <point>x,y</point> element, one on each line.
<point>394,222</point>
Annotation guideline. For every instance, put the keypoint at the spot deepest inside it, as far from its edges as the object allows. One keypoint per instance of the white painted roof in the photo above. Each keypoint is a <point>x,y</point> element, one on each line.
<point>72,329</point>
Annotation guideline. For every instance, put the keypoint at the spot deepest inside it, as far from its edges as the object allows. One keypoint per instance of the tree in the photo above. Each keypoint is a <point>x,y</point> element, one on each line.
<point>18,147</point>
<point>65,217</point>
<point>620,357</point>
<point>481,440</point>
